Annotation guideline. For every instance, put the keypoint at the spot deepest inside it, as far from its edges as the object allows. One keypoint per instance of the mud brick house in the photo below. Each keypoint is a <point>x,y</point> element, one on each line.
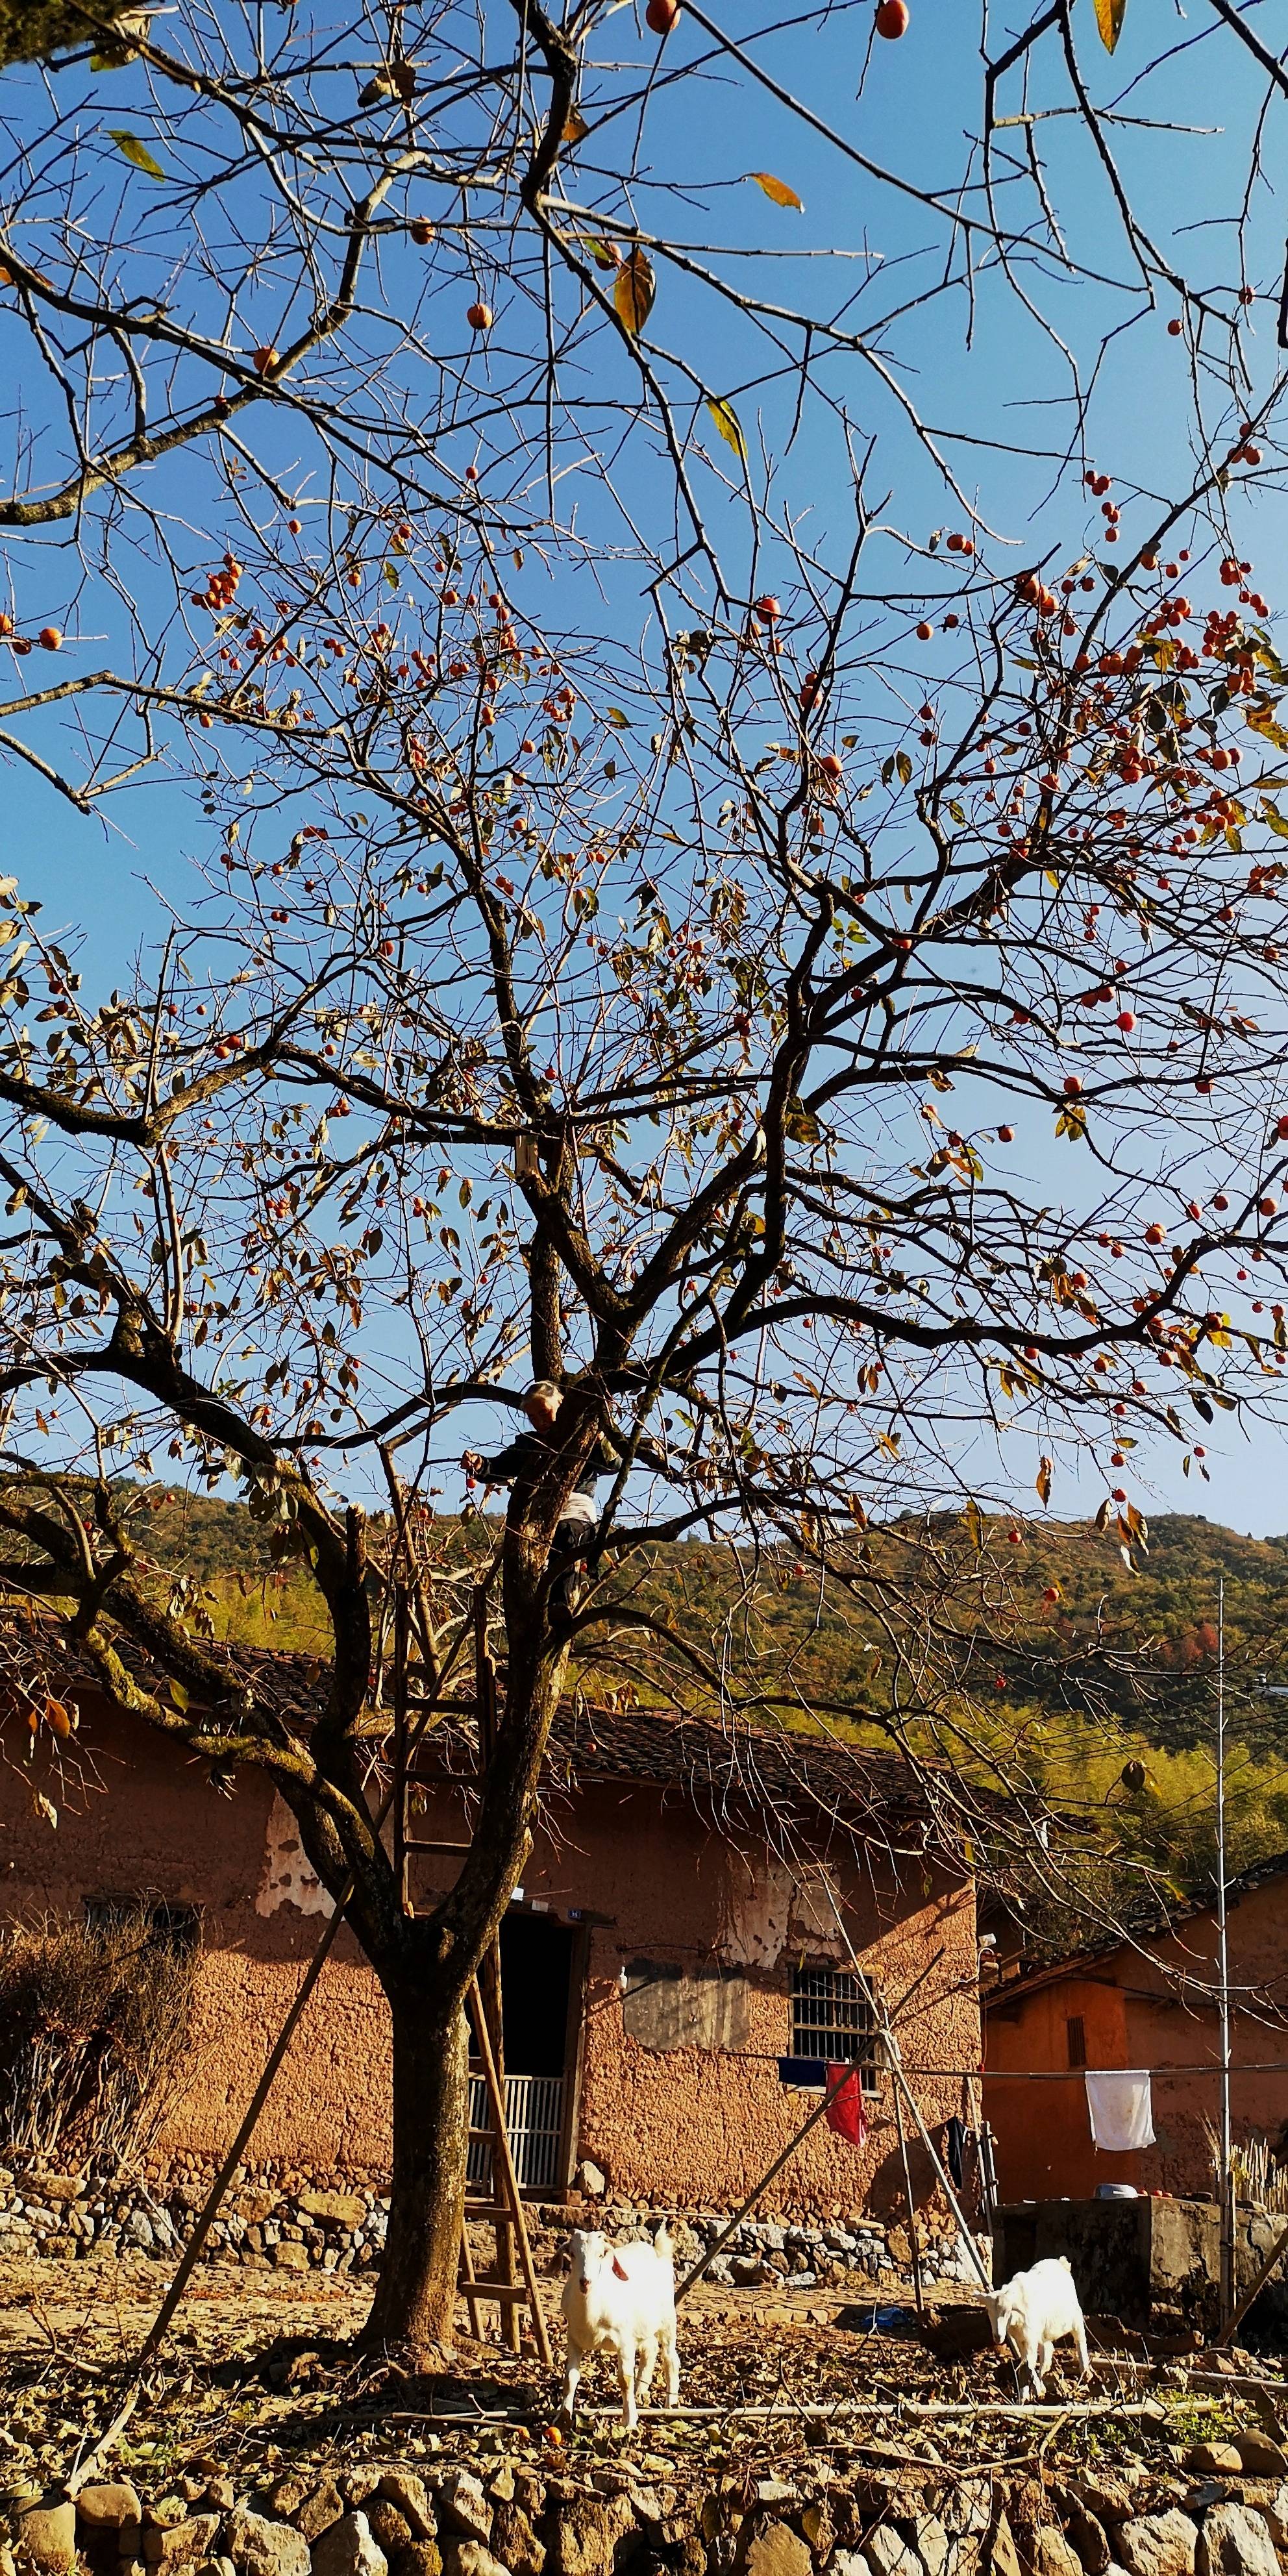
<point>664,1951</point>
<point>1144,2002</point>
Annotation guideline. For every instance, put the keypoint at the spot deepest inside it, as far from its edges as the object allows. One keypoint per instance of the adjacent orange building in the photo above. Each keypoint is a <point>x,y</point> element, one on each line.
<point>1145,2002</point>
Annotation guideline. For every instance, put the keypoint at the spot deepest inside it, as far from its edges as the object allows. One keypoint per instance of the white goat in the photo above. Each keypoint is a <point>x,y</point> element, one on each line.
<point>621,2299</point>
<point>1033,2312</point>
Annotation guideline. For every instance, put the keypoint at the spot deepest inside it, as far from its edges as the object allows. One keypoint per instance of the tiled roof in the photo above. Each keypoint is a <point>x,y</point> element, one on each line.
<point>1025,1978</point>
<point>801,1789</point>
<point>733,1774</point>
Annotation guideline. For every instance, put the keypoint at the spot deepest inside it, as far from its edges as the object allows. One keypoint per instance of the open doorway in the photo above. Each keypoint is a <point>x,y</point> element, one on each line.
<point>537,1963</point>
<point>536,1982</point>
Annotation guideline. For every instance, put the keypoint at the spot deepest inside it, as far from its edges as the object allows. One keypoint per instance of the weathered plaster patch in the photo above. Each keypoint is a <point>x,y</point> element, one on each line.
<point>288,1878</point>
<point>668,2007</point>
<point>757,1905</point>
<point>813,1915</point>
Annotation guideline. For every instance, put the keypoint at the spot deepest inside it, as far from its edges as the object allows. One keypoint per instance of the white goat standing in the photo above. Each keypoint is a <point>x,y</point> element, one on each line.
<point>1033,2312</point>
<point>621,2299</point>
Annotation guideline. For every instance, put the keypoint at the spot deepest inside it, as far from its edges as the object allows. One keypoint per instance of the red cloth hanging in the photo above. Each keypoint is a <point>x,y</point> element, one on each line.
<point>845,2112</point>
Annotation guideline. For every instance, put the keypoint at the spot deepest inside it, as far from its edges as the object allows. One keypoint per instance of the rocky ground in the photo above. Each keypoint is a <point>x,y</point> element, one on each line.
<point>816,2437</point>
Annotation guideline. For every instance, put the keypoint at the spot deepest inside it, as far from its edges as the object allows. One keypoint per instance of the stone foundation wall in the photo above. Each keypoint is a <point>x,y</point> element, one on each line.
<point>266,2224</point>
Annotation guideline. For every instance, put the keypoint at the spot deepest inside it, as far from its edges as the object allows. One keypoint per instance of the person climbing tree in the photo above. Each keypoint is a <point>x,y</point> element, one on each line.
<point>524,1461</point>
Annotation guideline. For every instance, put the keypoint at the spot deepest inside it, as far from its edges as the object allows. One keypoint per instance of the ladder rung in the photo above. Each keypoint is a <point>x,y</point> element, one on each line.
<point>409,1845</point>
<point>505,2293</point>
<point>494,2212</point>
<point>489,2135</point>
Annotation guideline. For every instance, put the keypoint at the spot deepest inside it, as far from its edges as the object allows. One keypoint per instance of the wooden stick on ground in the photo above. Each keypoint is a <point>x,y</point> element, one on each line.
<point>89,2467</point>
<point>843,2409</point>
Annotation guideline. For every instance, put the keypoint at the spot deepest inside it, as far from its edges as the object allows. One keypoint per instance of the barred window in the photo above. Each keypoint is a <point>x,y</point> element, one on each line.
<point>834,2016</point>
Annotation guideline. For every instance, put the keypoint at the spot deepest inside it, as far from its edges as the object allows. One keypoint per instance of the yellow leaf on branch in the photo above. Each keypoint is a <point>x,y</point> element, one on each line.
<point>1109,18</point>
<point>135,151</point>
<point>730,428</point>
<point>777,190</point>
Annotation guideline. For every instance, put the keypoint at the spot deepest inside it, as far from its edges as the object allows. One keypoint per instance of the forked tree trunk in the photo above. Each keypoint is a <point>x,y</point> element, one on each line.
<point>416,2298</point>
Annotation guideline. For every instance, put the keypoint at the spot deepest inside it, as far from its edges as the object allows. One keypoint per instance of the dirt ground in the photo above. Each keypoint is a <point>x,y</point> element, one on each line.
<point>258,2377</point>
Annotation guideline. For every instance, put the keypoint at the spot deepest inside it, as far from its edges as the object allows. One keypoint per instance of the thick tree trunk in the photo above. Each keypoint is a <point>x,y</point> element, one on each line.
<point>416,2300</point>
<point>425,1967</point>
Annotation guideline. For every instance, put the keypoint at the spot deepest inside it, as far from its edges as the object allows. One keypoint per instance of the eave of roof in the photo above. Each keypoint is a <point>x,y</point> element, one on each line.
<point>1082,1963</point>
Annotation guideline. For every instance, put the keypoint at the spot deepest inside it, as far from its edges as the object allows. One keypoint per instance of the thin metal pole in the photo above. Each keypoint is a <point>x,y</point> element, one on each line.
<point>1223,1965</point>
<point>915,2249</point>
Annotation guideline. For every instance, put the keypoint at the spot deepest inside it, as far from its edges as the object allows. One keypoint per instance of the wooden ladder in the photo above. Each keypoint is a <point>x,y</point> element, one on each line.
<point>504,2211</point>
<point>502,2207</point>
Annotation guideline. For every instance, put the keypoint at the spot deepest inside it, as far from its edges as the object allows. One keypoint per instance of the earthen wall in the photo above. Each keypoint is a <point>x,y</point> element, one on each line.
<point>1145,2007</point>
<point>638,1869</point>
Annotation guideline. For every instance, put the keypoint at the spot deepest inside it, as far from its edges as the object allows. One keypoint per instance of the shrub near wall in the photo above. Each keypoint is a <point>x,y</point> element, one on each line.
<point>95,2023</point>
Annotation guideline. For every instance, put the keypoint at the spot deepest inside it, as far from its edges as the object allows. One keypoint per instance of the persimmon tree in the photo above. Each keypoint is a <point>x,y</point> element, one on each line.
<point>857,1088</point>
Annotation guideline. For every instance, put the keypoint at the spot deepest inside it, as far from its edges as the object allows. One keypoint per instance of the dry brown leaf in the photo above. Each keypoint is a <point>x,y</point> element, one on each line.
<point>634,292</point>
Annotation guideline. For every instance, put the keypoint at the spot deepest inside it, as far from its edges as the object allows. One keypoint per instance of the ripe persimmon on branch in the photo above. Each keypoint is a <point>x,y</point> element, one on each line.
<point>260,274</point>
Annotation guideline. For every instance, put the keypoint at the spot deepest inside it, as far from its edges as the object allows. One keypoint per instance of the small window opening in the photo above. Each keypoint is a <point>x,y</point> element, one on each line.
<point>1077,2038</point>
<point>164,1926</point>
<point>834,2016</point>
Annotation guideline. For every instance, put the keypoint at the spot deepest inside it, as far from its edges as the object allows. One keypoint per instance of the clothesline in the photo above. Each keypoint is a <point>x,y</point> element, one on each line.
<point>1078,2074</point>
<point>1054,2074</point>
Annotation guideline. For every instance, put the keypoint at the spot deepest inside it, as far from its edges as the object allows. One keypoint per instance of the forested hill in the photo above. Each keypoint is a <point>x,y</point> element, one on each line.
<point>1157,1621</point>
<point>1118,1669</point>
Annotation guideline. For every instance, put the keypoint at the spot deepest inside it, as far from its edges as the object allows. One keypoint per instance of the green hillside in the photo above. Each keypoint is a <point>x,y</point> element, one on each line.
<point>1060,1696</point>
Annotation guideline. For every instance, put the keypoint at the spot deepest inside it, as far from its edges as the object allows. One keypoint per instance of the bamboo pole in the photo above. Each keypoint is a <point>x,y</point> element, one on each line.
<point>1228,2221</point>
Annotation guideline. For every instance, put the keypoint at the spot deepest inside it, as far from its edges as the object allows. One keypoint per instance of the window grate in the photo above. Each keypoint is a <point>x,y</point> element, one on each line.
<point>834,2016</point>
<point>534,2108</point>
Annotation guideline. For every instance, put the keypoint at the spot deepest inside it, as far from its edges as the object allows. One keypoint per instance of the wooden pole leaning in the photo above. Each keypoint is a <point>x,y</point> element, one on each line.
<point>913,2244</point>
<point>1260,2278</point>
<point>784,2157</point>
